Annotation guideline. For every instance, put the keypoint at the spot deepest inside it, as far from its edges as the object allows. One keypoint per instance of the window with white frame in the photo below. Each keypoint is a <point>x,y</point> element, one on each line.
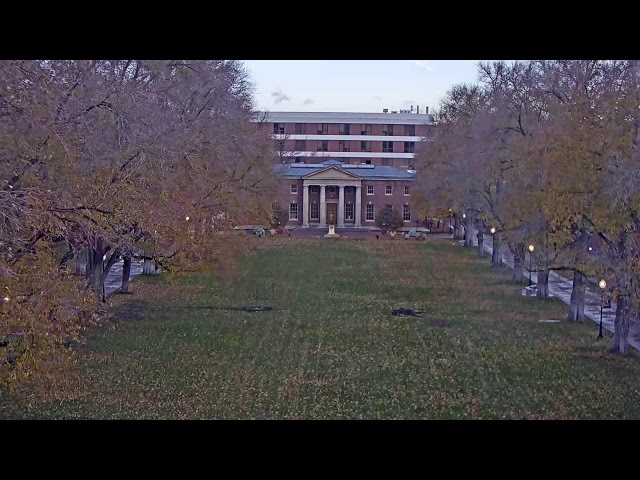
<point>369,189</point>
<point>314,211</point>
<point>293,211</point>
<point>370,214</point>
<point>407,190</point>
<point>388,190</point>
<point>348,211</point>
<point>294,188</point>
<point>406,213</point>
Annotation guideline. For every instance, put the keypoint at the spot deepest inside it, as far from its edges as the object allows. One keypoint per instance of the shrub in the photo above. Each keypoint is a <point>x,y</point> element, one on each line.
<point>389,219</point>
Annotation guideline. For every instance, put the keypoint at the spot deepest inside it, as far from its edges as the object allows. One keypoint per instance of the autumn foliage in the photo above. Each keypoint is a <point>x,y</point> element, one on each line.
<point>547,152</point>
<point>105,159</point>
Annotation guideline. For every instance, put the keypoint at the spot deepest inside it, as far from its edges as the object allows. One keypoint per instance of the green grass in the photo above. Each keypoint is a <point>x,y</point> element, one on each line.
<point>331,348</point>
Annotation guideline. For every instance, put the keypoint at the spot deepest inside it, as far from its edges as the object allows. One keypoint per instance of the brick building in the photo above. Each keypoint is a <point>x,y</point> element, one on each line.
<point>332,193</point>
<point>342,168</point>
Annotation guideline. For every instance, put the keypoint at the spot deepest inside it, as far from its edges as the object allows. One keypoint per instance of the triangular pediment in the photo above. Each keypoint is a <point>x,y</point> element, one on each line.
<point>331,173</point>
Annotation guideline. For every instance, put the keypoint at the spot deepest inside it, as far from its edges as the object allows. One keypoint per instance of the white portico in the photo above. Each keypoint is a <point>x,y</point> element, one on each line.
<point>331,196</point>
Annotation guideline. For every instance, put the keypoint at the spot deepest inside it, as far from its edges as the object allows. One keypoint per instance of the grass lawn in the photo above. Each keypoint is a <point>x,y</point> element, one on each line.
<point>331,348</point>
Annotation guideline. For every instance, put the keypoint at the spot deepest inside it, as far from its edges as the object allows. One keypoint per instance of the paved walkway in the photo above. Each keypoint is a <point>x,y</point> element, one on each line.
<point>561,287</point>
<point>114,279</point>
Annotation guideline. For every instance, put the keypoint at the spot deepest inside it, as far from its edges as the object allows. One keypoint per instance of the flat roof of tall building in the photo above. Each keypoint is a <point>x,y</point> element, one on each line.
<point>349,117</point>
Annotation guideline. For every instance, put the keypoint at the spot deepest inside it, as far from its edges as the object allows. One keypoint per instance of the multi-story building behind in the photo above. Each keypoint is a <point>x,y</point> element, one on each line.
<point>388,139</point>
<point>343,168</point>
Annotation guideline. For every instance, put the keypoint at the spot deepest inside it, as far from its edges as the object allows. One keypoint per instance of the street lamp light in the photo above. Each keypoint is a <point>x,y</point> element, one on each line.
<point>531,249</point>
<point>602,284</point>
<point>464,215</point>
<point>493,230</point>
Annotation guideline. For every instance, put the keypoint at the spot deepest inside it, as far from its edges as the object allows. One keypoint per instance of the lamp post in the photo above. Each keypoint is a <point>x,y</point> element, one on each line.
<point>531,248</point>
<point>602,284</point>
<point>450,218</point>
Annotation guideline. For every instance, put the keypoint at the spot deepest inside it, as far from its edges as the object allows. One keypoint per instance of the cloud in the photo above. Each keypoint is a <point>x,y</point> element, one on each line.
<point>426,64</point>
<point>279,96</point>
<point>376,98</point>
<point>309,101</point>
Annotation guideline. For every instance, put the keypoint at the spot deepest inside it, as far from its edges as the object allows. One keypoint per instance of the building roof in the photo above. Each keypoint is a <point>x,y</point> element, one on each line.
<point>365,172</point>
<point>350,117</point>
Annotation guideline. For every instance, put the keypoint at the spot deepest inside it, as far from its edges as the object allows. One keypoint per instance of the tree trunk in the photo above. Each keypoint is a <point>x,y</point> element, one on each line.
<point>543,284</point>
<point>457,229</point>
<point>518,263</point>
<point>576,307</point>
<point>480,244</point>
<point>148,268</point>
<point>496,256</point>
<point>81,262</point>
<point>64,263</point>
<point>95,272</point>
<point>126,271</point>
<point>621,327</point>
<point>468,231</point>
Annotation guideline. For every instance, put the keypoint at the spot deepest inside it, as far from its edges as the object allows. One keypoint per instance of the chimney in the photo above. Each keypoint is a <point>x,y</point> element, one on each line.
<point>411,108</point>
<point>418,109</point>
<point>426,109</point>
<point>385,110</point>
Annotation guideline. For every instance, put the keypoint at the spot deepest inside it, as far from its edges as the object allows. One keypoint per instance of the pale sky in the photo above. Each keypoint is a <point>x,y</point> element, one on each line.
<point>355,85</point>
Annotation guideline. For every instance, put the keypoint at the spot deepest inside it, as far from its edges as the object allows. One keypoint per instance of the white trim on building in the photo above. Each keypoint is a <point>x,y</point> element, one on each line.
<point>349,117</point>
<point>348,154</point>
<point>376,138</point>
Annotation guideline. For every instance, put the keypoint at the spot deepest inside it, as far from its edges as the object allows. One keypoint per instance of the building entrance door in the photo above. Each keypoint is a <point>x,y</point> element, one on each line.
<point>332,213</point>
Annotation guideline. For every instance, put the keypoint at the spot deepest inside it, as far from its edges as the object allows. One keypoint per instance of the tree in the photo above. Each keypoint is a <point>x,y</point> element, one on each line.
<point>100,156</point>
<point>389,218</point>
<point>280,216</point>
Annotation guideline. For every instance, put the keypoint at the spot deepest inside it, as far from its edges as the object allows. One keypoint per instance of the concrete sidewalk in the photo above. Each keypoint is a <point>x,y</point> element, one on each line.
<point>561,287</point>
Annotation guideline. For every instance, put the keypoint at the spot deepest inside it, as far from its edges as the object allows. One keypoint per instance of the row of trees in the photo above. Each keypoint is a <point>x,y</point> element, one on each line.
<point>546,152</point>
<point>102,160</point>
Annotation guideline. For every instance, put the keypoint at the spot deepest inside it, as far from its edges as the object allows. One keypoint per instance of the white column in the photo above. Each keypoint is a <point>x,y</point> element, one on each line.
<point>341,206</point>
<point>305,206</point>
<point>358,206</point>
<point>323,207</point>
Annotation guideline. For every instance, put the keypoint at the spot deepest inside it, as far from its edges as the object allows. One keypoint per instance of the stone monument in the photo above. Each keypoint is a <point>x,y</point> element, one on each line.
<point>332,228</point>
